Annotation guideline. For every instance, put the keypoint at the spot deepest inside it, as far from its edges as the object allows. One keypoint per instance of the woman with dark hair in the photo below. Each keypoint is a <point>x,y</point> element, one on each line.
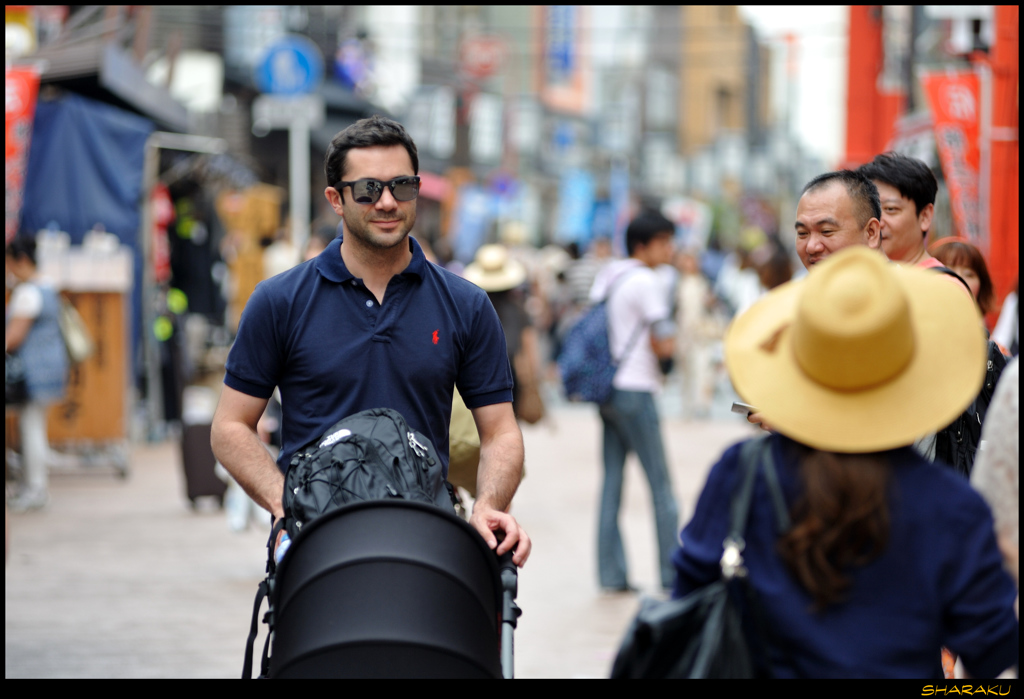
<point>967,261</point>
<point>32,329</point>
<point>888,557</point>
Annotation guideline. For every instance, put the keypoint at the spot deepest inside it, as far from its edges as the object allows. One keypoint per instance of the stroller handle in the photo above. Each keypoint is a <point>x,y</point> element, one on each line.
<point>510,612</point>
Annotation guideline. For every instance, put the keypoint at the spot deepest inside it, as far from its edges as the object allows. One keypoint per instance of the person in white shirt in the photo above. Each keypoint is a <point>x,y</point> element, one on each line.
<point>641,333</point>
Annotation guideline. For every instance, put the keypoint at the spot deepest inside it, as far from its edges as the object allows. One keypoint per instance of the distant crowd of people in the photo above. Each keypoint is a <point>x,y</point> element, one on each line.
<point>886,401</point>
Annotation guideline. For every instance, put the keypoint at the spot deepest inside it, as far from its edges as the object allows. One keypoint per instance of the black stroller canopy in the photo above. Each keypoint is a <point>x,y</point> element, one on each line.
<point>388,588</point>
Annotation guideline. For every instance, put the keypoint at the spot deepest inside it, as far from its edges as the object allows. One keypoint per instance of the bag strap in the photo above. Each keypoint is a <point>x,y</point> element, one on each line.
<point>632,342</point>
<point>263,591</point>
<point>755,455</point>
<point>771,476</point>
<point>253,630</point>
<point>640,326</point>
<point>951,273</point>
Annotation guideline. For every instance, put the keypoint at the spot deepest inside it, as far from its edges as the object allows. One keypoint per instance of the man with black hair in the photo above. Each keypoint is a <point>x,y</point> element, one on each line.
<point>641,333</point>
<point>906,188</point>
<point>836,210</point>
<point>369,323</point>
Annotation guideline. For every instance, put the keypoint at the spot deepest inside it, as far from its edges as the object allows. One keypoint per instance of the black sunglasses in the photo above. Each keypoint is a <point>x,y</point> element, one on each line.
<point>368,191</point>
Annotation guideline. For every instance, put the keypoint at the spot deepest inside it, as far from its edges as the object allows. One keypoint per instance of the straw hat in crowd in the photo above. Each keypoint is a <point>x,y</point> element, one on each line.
<point>862,355</point>
<point>494,270</point>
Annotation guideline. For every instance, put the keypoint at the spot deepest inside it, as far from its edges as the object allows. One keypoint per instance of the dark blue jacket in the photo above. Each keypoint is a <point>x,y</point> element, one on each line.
<point>939,582</point>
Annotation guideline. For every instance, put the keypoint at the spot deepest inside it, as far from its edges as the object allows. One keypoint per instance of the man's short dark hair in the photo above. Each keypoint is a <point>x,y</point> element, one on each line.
<point>910,176</point>
<point>645,227</point>
<point>861,189</point>
<point>367,133</point>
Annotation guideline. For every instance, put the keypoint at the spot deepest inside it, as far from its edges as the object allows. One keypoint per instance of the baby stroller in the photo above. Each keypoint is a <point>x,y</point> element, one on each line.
<point>391,589</point>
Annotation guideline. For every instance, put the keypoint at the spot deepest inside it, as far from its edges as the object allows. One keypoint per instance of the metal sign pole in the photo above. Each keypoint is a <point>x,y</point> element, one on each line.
<point>298,180</point>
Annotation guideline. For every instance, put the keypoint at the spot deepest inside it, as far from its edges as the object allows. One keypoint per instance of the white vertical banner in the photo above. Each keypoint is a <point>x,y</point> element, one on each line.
<point>394,30</point>
<point>527,126</point>
<point>442,123</point>
<point>485,133</point>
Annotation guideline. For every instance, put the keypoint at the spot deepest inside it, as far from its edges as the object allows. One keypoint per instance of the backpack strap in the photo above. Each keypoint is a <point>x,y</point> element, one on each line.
<point>263,591</point>
<point>640,326</point>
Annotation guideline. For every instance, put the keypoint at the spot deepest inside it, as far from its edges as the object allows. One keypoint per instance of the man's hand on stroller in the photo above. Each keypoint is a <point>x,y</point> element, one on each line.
<point>498,477</point>
<point>494,524</point>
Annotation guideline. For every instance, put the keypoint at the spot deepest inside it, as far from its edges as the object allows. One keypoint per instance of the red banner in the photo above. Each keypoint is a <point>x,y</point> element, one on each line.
<point>20,92</point>
<point>955,100</point>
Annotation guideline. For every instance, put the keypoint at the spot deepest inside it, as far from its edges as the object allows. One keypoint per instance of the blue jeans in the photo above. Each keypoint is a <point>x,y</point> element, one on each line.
<point>631,424</point>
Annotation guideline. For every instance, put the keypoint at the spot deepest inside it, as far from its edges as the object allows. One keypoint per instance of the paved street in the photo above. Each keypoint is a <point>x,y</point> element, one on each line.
<point>120,578</point>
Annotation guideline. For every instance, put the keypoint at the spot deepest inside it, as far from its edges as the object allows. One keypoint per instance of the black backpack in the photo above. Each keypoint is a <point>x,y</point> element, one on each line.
<point>372,455</point>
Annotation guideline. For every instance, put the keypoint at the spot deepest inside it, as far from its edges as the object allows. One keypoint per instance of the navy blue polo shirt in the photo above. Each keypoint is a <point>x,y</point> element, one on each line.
<point>319,334</point>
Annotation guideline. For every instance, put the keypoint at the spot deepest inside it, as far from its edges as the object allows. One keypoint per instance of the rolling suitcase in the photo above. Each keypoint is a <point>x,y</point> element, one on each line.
<point>198,464</point>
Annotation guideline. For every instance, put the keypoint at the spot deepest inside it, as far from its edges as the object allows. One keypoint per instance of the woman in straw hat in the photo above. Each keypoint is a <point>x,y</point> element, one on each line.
<point>503,278</point>
<point>887,557</point>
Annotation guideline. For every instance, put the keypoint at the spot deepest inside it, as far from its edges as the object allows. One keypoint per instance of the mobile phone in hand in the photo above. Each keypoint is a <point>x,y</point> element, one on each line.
<point>743,408</point>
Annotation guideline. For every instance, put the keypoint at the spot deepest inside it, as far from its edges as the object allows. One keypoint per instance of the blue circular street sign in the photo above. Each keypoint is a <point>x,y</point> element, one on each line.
<point>291,66</point>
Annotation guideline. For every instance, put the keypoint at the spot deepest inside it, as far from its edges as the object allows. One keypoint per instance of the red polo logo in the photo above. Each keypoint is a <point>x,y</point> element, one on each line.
<point>435,337</point>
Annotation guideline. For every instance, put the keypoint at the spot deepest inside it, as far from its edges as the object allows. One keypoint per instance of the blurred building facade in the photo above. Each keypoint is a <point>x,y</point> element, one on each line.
<point>539,123</point>
<point>553,102</point>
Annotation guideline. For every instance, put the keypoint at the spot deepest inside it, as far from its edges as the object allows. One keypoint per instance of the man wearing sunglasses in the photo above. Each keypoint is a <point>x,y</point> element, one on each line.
<point>369,323</point>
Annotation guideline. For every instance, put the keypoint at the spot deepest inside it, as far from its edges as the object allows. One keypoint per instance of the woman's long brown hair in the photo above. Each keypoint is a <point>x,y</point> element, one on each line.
<point>841,520</point>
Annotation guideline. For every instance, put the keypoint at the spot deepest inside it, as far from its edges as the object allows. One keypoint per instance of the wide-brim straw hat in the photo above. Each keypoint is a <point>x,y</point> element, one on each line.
<point>862,355</point>
<point>494,270</point>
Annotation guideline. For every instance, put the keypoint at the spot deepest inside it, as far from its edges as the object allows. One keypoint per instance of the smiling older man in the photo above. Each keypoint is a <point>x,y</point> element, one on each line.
<point>836,210</point>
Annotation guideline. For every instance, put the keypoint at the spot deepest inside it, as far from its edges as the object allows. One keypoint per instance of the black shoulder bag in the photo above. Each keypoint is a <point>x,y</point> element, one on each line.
<point>703,635</point>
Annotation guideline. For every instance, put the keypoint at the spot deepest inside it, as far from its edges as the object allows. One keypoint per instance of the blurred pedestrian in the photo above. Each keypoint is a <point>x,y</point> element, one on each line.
<point>504,280</point>
<point>322,236</point>
<point>579,279</point>
<point>547,302</point>
<point>774,267</point>
<point>582,271</point>
<point>641,334</point>
<point>697,330</point>
<point>996,473</point>
<point>32,330</point>
<point>1007,330</point>
<point>279,254</point>
<point>957,443</point>
<point>737,283</point>
<point>967,261</point>
<point>874,572</point>
<point>906,190</point>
